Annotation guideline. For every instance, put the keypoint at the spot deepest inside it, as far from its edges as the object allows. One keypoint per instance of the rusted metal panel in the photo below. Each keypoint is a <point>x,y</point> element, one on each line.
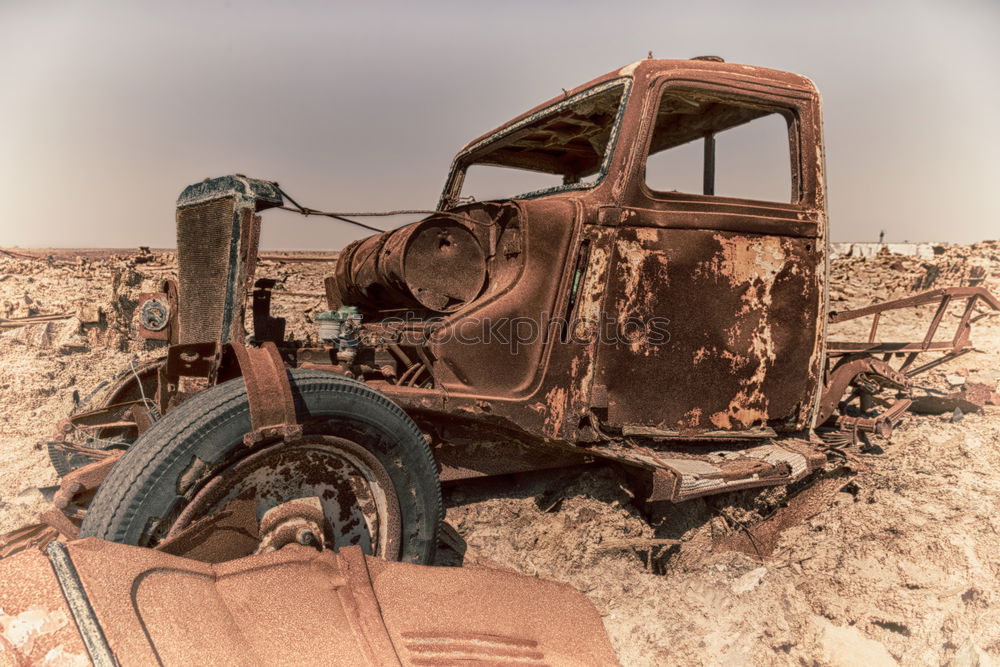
<point>129,605</point>
<point>723,328</point>
<point>35,619</point>
<point>269,392</point>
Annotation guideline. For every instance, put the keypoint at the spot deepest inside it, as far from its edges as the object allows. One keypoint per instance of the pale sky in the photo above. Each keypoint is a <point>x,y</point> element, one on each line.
<point>109,109</point>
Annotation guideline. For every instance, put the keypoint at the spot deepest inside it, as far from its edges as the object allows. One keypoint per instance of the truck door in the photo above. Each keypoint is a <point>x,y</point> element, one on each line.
<point>717,280</point>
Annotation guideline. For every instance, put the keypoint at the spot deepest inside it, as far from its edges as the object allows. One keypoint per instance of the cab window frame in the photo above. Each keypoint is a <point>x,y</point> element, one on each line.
<point>467,157</point>
<point>785,107</point>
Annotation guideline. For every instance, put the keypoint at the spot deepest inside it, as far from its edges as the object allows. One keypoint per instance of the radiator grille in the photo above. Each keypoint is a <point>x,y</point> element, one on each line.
<point>213,240</point>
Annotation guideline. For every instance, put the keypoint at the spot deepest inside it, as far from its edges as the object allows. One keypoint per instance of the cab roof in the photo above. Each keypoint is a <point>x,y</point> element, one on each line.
<point>652,68</point>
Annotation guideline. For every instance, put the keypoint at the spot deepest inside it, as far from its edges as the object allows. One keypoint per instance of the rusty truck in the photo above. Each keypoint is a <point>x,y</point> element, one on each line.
<point>608,277</point>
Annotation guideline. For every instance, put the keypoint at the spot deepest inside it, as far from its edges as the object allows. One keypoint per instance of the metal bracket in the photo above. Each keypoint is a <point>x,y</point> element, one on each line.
<point>158,313</point>
<point>265,327</point>
<point>272,405</point>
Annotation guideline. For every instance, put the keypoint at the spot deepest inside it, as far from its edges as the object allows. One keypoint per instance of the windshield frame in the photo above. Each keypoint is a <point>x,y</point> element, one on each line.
<point>466,157</point>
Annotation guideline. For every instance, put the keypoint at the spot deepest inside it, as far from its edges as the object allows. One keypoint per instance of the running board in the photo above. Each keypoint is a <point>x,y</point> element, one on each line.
<point>653,432</point>
<point>676,477</point>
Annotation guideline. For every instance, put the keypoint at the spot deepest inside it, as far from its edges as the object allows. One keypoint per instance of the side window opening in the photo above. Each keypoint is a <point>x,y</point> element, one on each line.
<point>703,144</point>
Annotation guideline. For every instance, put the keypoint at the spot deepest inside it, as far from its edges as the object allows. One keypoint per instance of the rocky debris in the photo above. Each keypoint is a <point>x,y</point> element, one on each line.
<point>749,581</point>
<point>972,398</point>
<point>98,295</point>
<point>144,256</point>
<point>894,561</point>
<point>64,335</point>
<point>89,313</point>
<point>29,495</point>
<point>922,250</point>
<point>848,647</point>
<point>971,655</point>
<point>884,275</point>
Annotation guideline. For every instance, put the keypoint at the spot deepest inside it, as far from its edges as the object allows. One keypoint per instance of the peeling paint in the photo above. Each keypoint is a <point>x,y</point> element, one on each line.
<point>629,69</point>
<point>60,657</point>
<point>647,234</point>
<point>643,277</point>
<point>21,631</point>
<point>692,418</point>
<point>556,401</point>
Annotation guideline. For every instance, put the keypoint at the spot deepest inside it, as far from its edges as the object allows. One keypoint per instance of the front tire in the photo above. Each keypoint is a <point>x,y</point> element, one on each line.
<point>356,444</point>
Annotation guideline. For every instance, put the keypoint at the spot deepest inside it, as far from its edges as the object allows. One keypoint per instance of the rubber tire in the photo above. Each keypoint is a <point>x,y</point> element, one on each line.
<point>143,484</point>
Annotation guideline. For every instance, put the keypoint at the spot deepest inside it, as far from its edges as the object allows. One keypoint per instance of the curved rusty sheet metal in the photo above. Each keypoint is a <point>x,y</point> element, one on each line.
<point>132,605</point>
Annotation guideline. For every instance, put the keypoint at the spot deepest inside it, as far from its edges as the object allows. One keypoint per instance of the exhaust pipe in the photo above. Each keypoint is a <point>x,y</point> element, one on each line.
<point>218,232</point>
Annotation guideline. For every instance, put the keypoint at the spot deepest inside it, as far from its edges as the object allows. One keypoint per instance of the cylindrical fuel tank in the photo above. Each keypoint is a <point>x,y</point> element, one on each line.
<point>437,264</point>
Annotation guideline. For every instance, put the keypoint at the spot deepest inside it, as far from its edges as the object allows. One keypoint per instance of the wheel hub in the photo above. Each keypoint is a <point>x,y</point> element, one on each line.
<point>330,487</point>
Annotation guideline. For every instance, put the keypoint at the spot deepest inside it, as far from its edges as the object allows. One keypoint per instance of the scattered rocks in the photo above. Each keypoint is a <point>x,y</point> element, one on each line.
<point>749,581</point>
<point>955,380</point>
<point>834,591</point>
<point>881,274</point>
<point>970,655</point>
<point>88,313</point>
<point>973,398</point>
<point>29,496</point>
<point>36,335</point>
<point>848,647</point>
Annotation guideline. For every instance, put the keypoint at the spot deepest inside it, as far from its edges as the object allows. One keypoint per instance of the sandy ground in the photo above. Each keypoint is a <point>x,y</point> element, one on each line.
<point>898,561</point>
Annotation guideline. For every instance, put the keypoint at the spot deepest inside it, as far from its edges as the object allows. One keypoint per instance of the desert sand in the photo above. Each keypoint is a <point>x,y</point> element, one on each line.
<point>897,560</point>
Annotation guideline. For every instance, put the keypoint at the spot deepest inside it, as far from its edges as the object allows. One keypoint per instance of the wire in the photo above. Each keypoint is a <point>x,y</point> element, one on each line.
<point>309,211</point>
<point>138,380</point>
<point>346,216</point>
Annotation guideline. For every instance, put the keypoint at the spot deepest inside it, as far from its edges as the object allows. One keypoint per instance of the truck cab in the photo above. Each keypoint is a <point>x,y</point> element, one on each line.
<point>660,281</point>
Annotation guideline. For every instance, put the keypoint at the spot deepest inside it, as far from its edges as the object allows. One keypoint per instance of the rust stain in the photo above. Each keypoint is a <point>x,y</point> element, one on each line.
<point>639,269</point>
<point>647,234</point>
<point>556,401</point>
<point>692,418</point>
<point>592,290</point>
<point>751,265</point>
